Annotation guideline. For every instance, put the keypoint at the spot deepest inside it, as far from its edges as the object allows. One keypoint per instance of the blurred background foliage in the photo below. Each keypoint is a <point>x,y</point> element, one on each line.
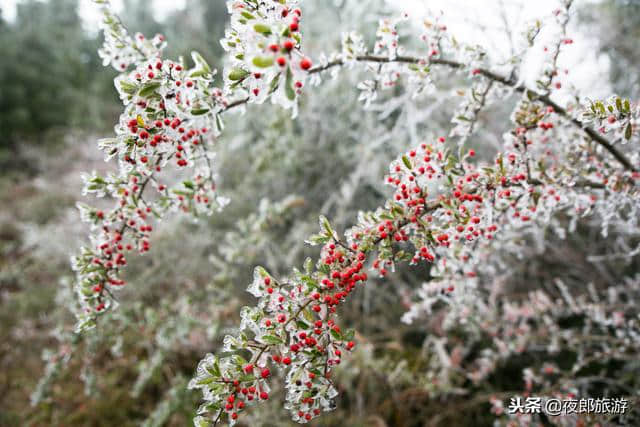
<point>51,78</point>
<point>617,26</point>
<point>56,99</point>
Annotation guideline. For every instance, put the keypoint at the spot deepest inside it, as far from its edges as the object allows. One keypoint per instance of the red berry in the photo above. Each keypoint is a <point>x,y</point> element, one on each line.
<point>305,64</point>
<point>281,61</point>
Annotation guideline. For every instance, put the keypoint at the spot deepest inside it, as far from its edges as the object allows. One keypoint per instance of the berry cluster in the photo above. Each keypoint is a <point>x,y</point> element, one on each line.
<point>169,119</point>
<point>445,210</point>
<point>264,41</point>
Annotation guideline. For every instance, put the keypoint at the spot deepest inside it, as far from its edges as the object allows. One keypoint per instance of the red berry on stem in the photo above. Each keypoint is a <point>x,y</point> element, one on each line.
<point>305,64</point>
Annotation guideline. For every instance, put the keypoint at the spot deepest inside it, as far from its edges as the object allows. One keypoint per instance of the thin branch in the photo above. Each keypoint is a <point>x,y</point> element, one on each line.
<point>507,81</point>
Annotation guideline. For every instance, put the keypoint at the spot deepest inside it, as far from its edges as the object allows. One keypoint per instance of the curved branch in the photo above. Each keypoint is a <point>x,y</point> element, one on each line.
<point>507,81</point>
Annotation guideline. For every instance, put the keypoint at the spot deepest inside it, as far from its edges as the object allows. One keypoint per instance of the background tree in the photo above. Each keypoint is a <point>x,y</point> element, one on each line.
<point>618,22</point>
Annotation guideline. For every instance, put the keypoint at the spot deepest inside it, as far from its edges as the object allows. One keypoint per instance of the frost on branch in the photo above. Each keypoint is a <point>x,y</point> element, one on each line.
<point>447,210</point>
<point>443,211</point>
<point>264,44</point>
<point>170,121</point>
<point>290,329</point>
<point>120,50</point>
<point>615,117</point>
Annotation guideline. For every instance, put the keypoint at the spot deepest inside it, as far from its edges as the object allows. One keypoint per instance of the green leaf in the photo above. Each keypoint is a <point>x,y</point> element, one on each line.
<point>262,272</point>
<point>336,335</point>
<point>207,380</point>
<point>271,339</point>
<point>317,239</point>
<point>628,131</point>
<point>326,225</point>
<point>396,209</point>
<point>262,29</point>
<point>128,87</point>
<point>302,325</point>
<point>240,361</point>
<point>148,89</point>
<point>349,335</point>
<point>238,74</point>
<point>200,62</point>
<point>275,82</point>
<point>198,73</point>
<point>214,370</point>
<point>406,162</point>
<point>199,111</point>
<point>308,315</point>
<point>308,265</point>
<point>291,94</point>
<point>263,61</point>
<point>202,422</point>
